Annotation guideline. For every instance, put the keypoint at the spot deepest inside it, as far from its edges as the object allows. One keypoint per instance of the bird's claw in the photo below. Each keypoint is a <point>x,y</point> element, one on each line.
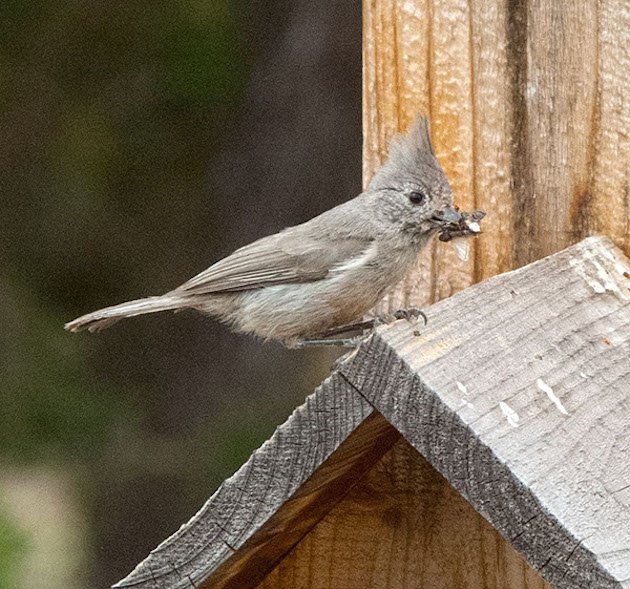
<point>412,314</point>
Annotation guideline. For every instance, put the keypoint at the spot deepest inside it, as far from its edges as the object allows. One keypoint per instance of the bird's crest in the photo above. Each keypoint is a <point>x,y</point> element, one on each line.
<point>409,154</point>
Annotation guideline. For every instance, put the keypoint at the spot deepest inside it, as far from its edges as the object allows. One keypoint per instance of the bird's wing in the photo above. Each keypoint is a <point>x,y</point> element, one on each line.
<point>282,258</point>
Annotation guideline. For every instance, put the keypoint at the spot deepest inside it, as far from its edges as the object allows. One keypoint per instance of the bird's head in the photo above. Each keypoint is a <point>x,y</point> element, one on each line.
<point>410,192</point>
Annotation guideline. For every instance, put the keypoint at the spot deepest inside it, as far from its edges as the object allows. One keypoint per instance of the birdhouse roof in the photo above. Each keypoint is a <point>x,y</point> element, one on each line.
<point>517,391</point>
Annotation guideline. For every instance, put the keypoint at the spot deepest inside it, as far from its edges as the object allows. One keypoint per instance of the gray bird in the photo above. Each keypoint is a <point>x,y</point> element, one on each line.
<point>301,284</point>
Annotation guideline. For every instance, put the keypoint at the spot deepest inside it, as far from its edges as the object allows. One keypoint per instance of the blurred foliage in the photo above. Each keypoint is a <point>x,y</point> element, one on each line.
<point>110,114</point>
<point>13,545</point>
<point>105,103</point>
<point>105,124</point>
<point>50,411</point>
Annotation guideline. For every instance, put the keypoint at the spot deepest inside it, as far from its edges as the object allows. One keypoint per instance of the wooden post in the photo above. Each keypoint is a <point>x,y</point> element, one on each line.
<point>528,102</point>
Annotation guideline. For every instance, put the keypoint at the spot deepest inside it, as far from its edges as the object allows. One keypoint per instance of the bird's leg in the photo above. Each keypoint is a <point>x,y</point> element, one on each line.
<point>349,327</point>
<point>412,314</point>
<point>348,342</point>
<point>326,339</point>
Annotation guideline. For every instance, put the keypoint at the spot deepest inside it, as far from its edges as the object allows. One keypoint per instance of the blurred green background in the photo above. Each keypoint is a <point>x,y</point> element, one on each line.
<point>141,141</point>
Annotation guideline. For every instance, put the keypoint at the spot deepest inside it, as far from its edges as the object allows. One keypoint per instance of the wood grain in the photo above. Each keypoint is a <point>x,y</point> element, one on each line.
<point>276,497</point>
<point>608,202</point>
<point>403,526</point>
<point>328,484</point>
<point>518,392</point>
<point>529,109</point>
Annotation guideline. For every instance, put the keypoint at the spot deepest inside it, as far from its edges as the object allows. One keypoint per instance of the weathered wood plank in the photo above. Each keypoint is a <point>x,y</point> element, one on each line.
<point>401,526</point>
<point>518,392</point>
<point>328,484</point>
<point>279,494</point>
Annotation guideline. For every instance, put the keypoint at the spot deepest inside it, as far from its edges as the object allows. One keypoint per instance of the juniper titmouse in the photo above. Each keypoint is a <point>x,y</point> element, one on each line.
<point>306,280</point>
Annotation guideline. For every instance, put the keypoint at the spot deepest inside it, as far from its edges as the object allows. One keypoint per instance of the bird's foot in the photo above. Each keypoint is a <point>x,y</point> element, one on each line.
<point>412,314</point>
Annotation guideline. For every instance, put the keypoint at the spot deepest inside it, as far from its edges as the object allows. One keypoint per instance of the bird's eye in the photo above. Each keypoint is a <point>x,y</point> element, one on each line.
<point>416,198</point>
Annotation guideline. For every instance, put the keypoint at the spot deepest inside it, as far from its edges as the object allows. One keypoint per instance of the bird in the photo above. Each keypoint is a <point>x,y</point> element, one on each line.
<point>306,282</point>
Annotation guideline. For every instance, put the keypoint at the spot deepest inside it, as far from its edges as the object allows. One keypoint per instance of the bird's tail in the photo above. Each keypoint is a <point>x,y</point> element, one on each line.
<point>104,318</point>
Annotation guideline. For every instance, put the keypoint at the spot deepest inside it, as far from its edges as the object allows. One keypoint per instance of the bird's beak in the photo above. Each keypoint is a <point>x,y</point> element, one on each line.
<point>446,216</point>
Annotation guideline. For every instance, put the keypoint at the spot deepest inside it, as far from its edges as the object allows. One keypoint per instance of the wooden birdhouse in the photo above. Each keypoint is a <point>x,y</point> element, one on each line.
<point>489,449</point>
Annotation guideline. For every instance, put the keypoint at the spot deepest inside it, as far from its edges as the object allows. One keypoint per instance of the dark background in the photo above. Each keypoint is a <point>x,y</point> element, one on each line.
<point>140,142</point>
